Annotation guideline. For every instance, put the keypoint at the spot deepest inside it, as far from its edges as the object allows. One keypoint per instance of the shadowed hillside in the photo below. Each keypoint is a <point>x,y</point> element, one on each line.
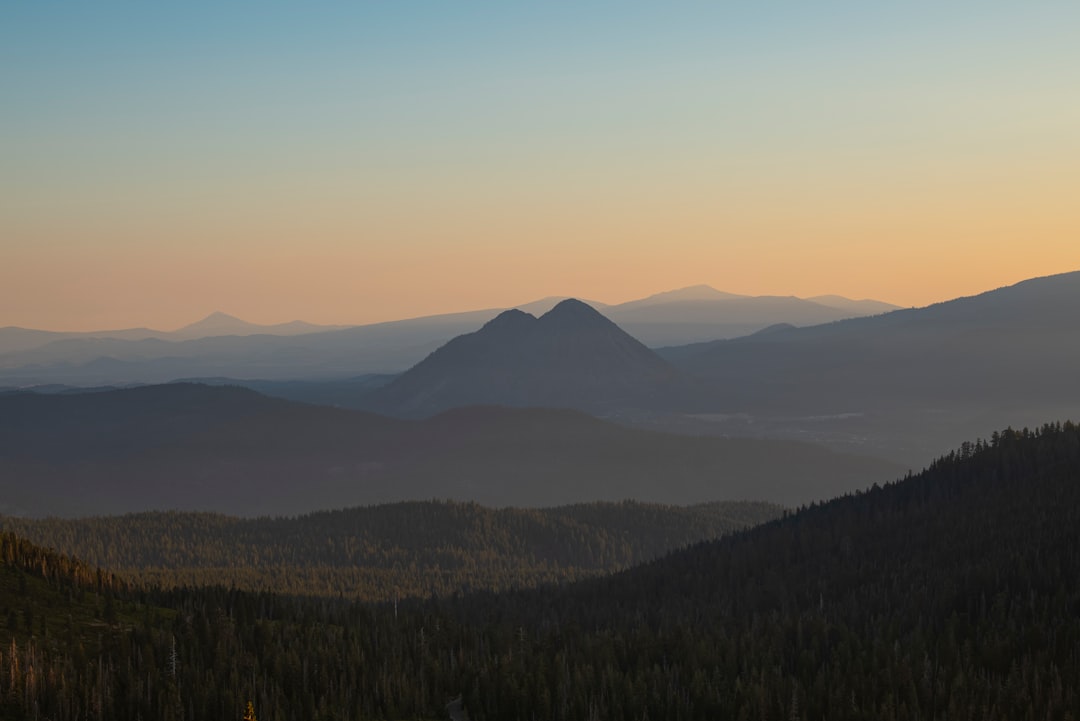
<point>193,447</point>
<point>948,594</point>
<point>1011,345</point>
<point>907,384</point>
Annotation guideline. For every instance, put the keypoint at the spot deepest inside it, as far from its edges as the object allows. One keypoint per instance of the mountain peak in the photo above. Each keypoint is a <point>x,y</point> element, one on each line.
<point>700,291</point>
<point>574,312</point>
<point>572,357</point>
<point>510,320</point>
<point>572,304</point>
<point>219,317</point>
<point>216,321</point>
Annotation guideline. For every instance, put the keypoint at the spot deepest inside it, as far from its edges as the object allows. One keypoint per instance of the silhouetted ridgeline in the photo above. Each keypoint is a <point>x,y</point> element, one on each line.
<point>1010,347</point>
<point>906,385</point>
<point>570,357</point>
<point>951,594</point>
<point>392,551</point>
<point>221,345</point>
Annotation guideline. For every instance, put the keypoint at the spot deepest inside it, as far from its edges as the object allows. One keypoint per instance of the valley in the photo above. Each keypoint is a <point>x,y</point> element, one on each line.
<point>539,361</point>
<point>545,517</point>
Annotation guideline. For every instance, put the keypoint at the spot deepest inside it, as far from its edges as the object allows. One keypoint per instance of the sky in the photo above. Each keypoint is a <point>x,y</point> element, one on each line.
<point>357,162</point>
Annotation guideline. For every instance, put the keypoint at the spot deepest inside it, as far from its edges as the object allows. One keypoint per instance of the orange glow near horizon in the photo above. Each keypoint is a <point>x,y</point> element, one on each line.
<point>275,254</point>
<point>868,153</point>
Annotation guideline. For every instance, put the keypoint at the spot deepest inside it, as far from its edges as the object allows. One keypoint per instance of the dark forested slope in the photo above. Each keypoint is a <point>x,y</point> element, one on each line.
<point>951,594</point>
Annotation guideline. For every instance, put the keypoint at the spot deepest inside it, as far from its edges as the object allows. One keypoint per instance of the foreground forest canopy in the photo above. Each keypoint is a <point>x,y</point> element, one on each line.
<point>950,594</point>
<point>382,553</point>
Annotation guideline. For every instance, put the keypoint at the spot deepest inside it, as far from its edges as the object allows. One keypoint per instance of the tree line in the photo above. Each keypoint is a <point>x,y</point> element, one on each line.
<point>378,553</point>
<point>952,593</point>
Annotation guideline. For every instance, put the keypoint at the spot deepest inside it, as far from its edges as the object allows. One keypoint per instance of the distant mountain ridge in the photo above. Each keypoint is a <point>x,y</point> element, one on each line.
<point>222,345</point>
<point>699,292</point>
<point>14,339</point>
<point>916,380</point>
<point>865,306</point>
<point>218,324</point>
<point>1018,341</point>
<point>905,385</point>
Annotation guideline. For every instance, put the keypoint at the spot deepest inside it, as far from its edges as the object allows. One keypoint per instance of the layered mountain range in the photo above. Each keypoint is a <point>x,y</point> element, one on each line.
<point>222,345</point>
<point>1013,344</point>
<point>907,384</point>
<point>904,385</point>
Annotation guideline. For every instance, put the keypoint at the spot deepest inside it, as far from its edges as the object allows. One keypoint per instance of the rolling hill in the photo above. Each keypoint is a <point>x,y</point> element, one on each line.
<point>193,447</point>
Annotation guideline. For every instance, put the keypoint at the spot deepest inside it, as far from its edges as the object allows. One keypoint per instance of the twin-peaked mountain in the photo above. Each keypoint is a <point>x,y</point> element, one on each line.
<point>571,356</point>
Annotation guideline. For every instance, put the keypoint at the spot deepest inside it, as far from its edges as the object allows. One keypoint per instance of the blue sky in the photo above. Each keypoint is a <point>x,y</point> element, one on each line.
<point>411,143</point>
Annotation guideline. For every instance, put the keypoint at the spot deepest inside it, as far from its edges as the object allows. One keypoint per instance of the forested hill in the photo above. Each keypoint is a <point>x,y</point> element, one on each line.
<point>951,594</point>
<point>389,551</point>
<point>58,617</point>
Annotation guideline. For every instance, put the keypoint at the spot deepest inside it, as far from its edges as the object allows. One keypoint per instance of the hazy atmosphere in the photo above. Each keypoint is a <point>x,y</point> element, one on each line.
<point>556,361</point>
<point>350,163</point>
